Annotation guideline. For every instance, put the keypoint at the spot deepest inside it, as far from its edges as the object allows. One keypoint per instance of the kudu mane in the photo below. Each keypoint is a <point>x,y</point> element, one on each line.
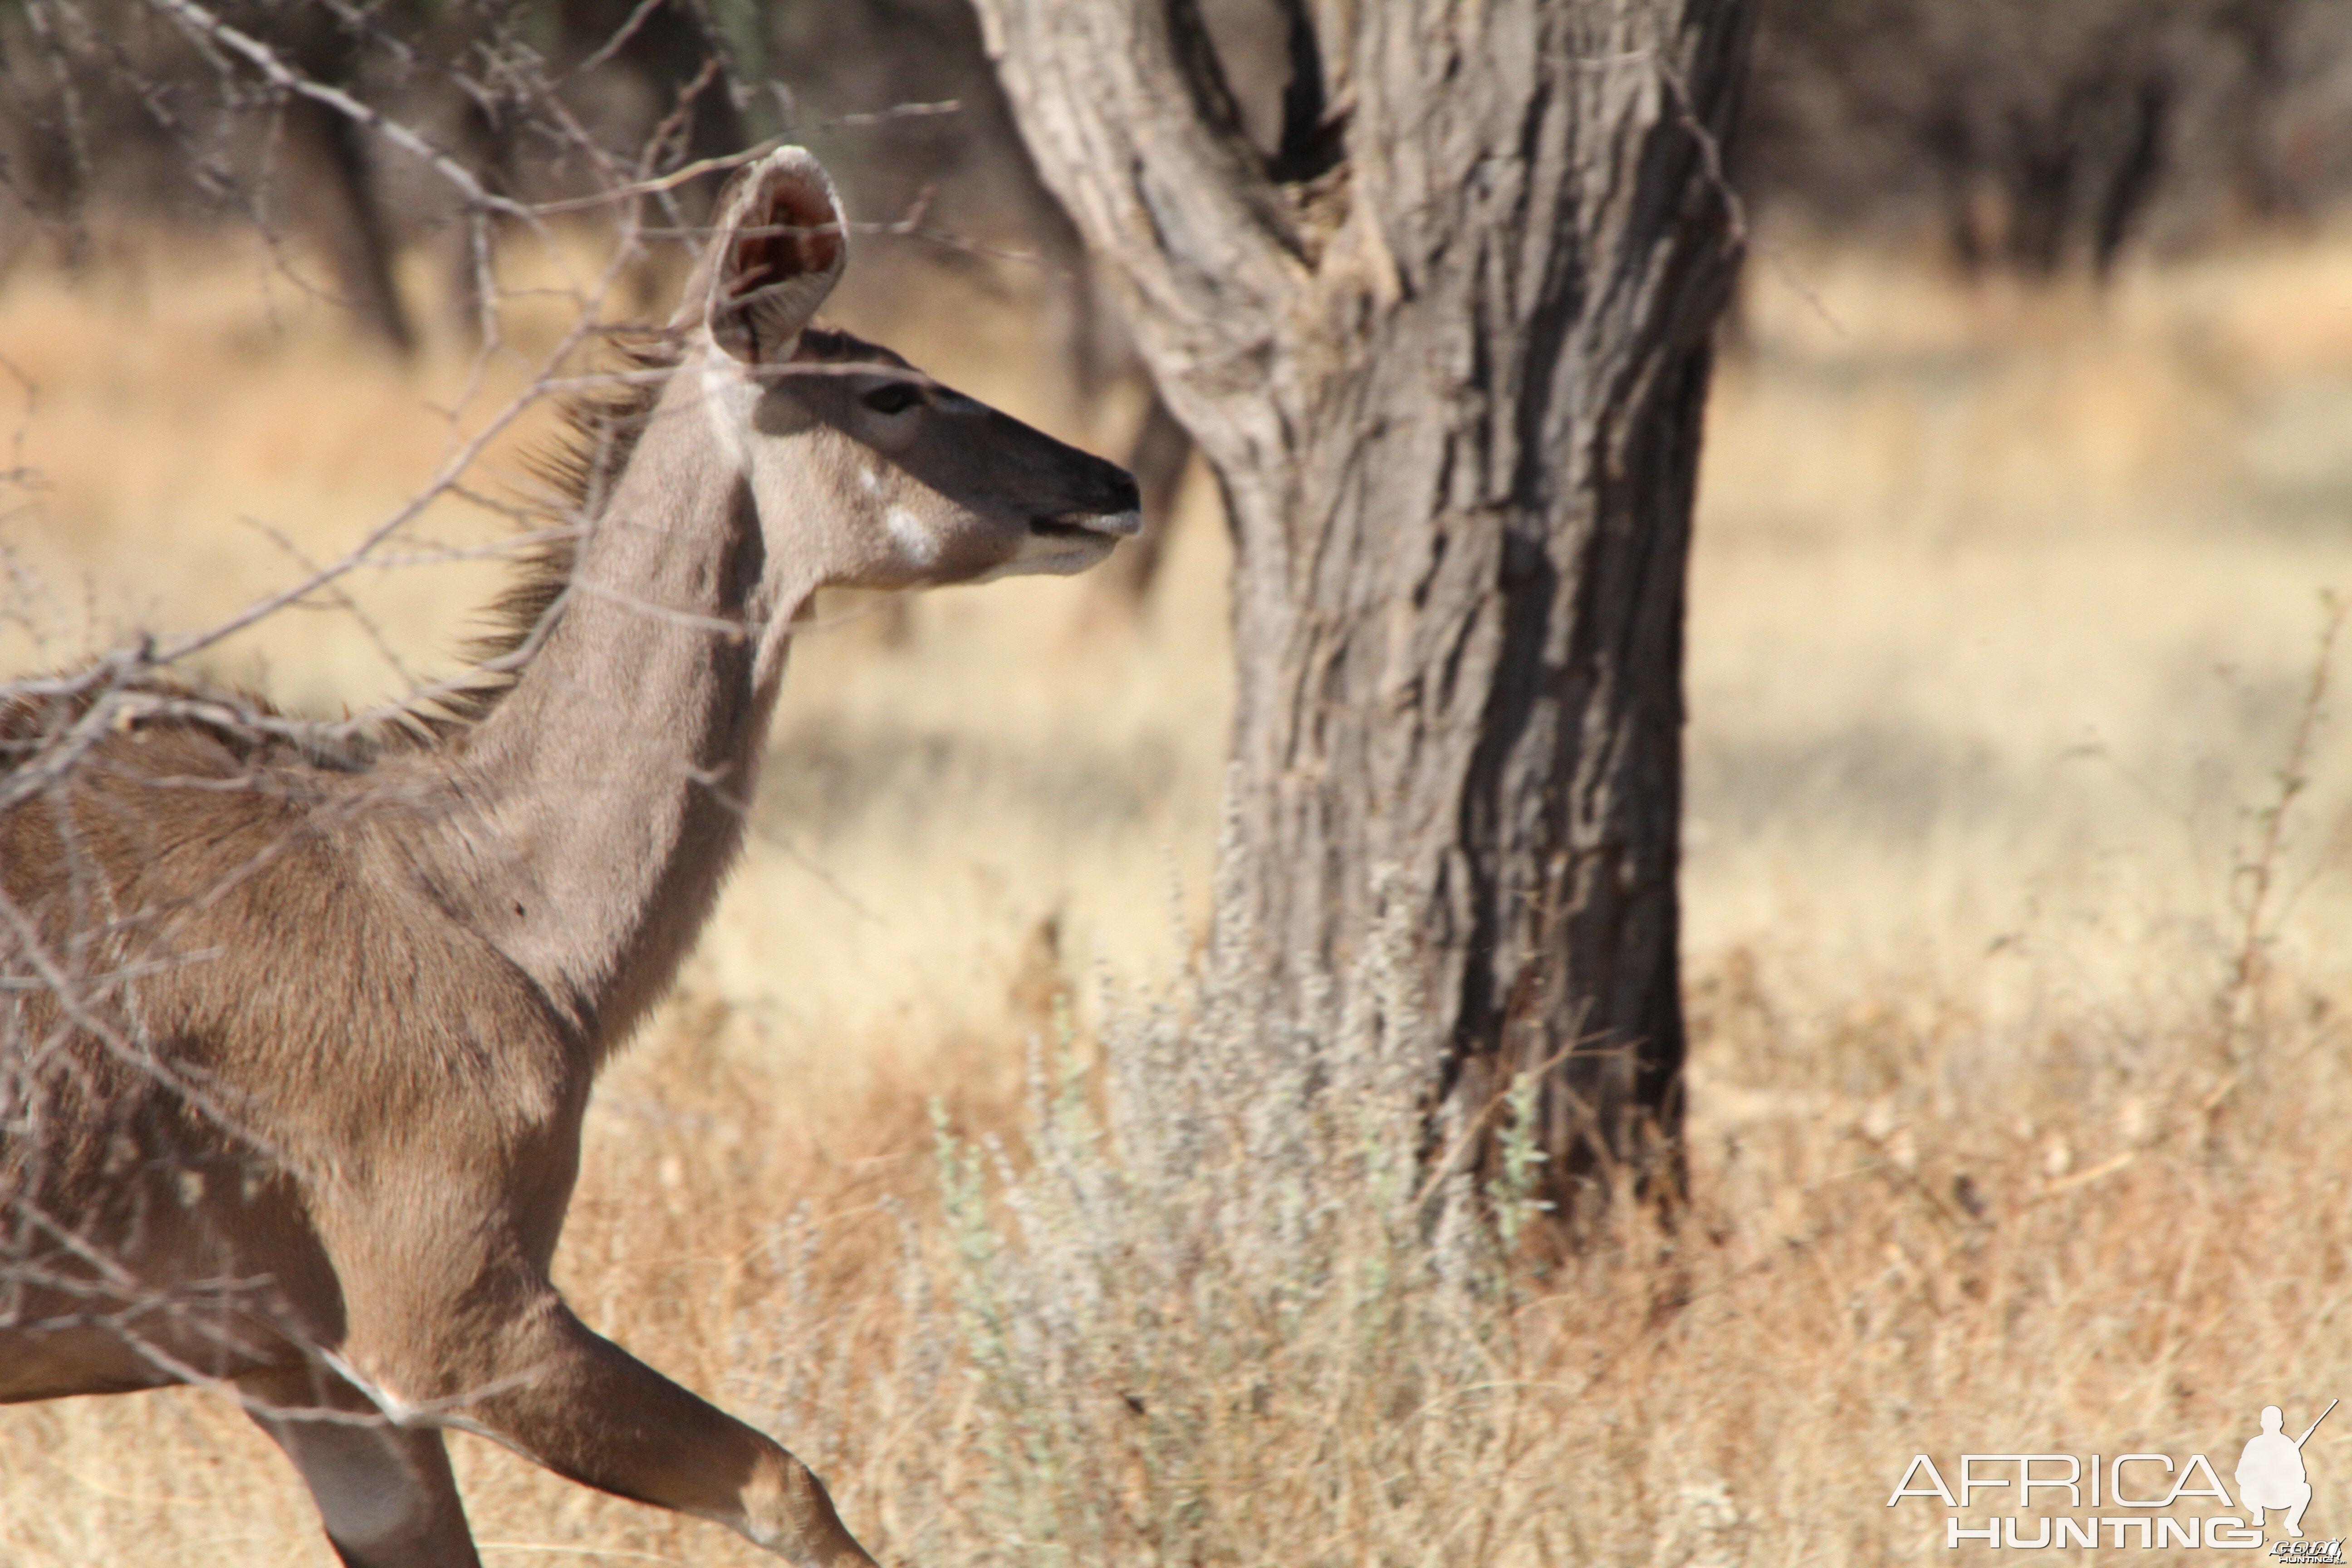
<point>597,435</point>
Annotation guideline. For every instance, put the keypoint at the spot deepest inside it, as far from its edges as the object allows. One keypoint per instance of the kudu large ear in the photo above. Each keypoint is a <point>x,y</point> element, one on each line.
<point>778,251</point>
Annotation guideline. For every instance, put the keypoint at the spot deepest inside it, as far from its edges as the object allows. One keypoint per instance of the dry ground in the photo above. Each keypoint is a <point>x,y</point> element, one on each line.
<point>2006,611</point>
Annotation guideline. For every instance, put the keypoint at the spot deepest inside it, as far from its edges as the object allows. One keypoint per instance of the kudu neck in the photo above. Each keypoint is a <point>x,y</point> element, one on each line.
<point>610,785</point>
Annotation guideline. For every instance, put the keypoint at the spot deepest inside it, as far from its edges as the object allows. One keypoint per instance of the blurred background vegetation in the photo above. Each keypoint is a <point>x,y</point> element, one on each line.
<point>2005,134</point>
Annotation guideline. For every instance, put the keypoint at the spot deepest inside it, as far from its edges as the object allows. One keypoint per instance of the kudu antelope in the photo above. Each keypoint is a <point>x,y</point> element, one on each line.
<point>296,1104</point>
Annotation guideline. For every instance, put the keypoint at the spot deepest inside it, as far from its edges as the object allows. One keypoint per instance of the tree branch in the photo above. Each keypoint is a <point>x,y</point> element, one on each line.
<point>1134,131</point>
<point>202,24</point>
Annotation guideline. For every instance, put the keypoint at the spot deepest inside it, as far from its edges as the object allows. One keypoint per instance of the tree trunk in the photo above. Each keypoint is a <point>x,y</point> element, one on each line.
<point>1447,348</point>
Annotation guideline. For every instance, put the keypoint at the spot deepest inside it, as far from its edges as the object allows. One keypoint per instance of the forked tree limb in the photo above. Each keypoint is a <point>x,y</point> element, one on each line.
<point>1171,191</point>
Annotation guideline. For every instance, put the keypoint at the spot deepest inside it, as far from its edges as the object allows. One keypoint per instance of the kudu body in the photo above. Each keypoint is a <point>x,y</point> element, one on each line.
<point>297,1105</point>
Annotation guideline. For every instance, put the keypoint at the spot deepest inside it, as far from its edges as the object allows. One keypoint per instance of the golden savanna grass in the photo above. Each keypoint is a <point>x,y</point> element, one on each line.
<point>2018,1124</point>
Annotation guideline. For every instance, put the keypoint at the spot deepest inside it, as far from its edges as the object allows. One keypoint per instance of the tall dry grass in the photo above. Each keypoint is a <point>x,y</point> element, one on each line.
<point>2005,613</point>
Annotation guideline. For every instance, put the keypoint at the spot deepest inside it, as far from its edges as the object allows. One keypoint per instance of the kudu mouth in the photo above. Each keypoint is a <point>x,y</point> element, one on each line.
<point>1115,525</point>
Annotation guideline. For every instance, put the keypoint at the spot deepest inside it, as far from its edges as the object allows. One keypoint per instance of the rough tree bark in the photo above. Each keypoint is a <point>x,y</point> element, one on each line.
<point>1447,348</point>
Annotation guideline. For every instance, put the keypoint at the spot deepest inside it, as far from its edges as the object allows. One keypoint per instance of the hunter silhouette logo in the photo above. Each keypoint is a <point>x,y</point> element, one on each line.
<point>2269,1472</point>
<point>2153,1501</point>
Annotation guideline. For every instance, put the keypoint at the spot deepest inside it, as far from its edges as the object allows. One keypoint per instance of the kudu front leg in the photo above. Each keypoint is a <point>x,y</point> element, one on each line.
<point>384,1493</point>
<point>580,1404</point>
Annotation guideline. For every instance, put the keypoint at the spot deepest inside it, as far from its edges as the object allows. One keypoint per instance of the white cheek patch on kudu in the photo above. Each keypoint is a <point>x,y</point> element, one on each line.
<point>917,545</point>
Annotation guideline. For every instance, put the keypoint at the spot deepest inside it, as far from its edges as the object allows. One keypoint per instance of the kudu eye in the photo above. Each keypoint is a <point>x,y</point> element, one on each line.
<point>893,397</point>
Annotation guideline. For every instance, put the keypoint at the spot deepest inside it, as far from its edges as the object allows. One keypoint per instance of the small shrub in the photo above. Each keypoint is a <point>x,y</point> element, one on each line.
<point>1227,1306</point>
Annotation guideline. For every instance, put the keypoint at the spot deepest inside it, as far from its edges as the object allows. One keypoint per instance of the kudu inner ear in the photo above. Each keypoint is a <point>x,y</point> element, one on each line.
<point>782,256</point>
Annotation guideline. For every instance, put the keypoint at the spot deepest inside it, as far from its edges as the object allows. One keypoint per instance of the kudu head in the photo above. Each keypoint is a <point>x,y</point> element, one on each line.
<point>865,472</point>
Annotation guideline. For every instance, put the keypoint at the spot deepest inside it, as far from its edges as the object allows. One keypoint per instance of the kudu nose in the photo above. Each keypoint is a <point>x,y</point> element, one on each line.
<point>1119,490</point>
<point>1118,506</point>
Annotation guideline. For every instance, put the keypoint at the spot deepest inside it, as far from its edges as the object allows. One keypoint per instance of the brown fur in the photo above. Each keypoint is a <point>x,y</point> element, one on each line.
<point>300,1033</point>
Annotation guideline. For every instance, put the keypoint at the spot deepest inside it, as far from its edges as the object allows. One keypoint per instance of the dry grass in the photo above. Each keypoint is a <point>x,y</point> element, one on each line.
<point>2003,610</point>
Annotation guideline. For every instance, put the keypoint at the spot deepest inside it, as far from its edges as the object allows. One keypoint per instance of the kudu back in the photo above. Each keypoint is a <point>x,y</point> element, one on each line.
<point>299,1035</point>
